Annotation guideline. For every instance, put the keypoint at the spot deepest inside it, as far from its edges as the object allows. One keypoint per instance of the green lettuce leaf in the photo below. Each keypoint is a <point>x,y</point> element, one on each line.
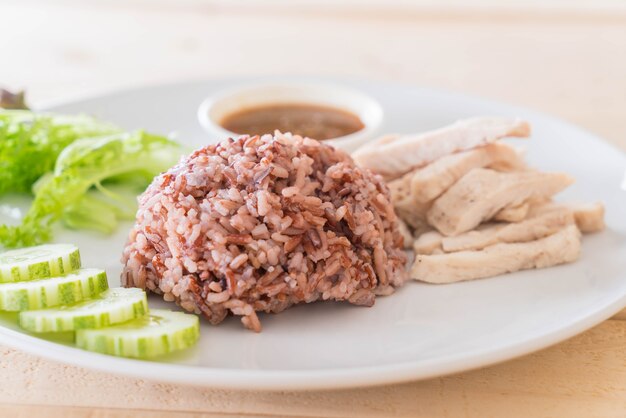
<point>30,144</point>
<point>76,191</point>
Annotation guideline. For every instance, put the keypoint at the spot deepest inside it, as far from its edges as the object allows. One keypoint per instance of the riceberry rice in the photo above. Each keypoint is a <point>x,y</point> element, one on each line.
<point>262,223</point>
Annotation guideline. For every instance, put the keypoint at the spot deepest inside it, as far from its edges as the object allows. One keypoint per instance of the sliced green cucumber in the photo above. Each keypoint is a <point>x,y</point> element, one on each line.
<point>45,293</point>
<point>38,262</point>
<point>113,306</point>
<point>160,332</point>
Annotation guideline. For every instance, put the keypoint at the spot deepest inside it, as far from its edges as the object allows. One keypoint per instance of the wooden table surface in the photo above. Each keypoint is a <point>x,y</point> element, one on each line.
<point>564,58</point>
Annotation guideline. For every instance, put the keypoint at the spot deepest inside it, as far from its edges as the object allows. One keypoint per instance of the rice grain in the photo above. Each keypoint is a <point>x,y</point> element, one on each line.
<point>262,223</point>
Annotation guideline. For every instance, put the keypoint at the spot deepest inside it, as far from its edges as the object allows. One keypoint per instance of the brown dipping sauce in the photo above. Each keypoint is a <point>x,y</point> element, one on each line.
<point>313,121</point>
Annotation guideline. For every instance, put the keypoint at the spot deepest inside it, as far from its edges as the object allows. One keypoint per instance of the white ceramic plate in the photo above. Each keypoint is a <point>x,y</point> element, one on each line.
<point>419,332</point>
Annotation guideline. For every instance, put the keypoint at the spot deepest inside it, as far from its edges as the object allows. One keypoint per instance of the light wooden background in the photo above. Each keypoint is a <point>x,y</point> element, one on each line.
<point>565,58</point>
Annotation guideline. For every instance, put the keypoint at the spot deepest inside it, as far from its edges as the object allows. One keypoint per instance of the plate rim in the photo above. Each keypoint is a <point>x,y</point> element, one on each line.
<point>303,379</point>
<point>309,379</point>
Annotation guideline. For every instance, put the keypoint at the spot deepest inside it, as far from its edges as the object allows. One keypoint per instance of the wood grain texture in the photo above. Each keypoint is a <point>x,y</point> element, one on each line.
<point>621,316</point>
<point>40,411</point>
<point>570,64</point>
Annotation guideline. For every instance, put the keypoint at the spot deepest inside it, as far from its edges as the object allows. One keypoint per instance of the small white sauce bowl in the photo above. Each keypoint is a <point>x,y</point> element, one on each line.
<point>215,108</point>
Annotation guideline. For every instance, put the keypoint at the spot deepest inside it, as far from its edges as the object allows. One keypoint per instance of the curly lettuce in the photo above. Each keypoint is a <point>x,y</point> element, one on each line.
<point>30,144</point>
<point>93,185</point>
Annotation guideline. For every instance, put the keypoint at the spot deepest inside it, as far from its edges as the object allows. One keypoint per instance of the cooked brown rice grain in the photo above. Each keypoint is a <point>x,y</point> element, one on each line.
<point>263,223</point>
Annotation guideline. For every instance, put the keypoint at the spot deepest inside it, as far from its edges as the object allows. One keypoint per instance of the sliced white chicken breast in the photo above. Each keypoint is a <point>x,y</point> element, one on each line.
<point>400,189</point>
<point>482,193</point>
<point>415,220</point>
<point>589,217</point>
<point>520,212</point>
<point>513,213</point>
<point>537,226</point>
<point>407,236</point>
<point>430,182</point>
<point>413,193</point>
<point>410,211</point>
<point>561,247</point>
<point>428,243</point>
<point>393,156</point>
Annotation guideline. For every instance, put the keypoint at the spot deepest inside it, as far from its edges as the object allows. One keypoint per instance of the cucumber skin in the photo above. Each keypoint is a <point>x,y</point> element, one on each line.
<point>67,294</point>
<point>87,321</point>
<point>143,347</point>
<point>43,269</point>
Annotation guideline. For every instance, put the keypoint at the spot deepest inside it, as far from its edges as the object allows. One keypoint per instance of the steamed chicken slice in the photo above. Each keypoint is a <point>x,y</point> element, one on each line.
<point>561,247</point>
<point>589,217</point>
<point>482,193</point>
<point>541,223</point>
<point>394,156</point>
<point>413,193</point>
<point>513,213</point>
<point>428,243</point>
<point>415,217</point>
<point>407,236</point>
<point>400,189</point>
<point>431,181</point>
<point>410,211</point>
<point>535,227</point>
<point>543,220</point>
<point>522,211</point>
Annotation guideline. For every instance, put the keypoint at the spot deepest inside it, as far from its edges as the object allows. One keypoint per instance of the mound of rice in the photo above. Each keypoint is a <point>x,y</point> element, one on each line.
<point>263,223</point>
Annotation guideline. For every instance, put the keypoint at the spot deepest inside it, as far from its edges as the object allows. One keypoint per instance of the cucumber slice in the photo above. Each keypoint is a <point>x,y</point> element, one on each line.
<point>45,293</point>
<point>160,332</point>
<point>113,306</point>
<point>38,262</point>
